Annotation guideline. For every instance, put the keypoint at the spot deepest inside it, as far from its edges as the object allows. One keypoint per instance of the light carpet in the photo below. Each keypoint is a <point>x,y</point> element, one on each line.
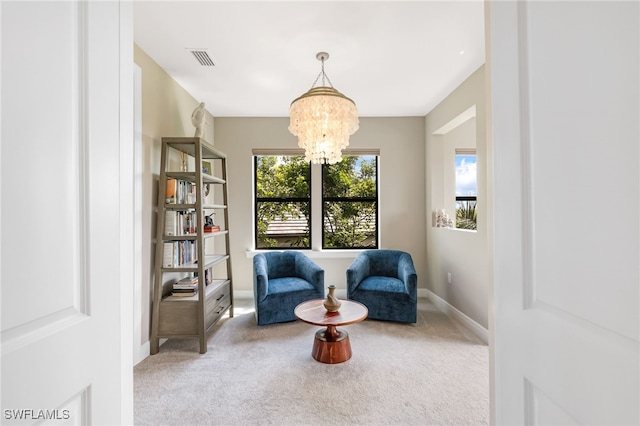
<point>434,372</point>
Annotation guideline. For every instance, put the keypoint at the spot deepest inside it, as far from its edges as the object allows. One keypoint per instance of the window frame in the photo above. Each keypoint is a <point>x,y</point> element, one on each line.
<point>375,200</point>
<point>316,239</point>
<point>257,200</point>
<point>466,198</point>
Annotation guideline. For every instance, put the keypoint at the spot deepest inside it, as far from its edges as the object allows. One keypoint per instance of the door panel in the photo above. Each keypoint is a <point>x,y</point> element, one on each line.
<point>63,358</point>
<point>564,95</point>
<point>583,88</point>
<point>46,136</point>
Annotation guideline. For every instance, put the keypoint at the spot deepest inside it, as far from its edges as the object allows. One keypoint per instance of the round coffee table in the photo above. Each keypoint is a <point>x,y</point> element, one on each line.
<point>331,346</point>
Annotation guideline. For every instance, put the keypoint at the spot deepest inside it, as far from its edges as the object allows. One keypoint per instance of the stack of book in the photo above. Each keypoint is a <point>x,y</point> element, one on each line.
<point>180,192</point>
<point>186,287</point>
<point>211,228</point>
<point>180,222</point>
<point>177,253</point>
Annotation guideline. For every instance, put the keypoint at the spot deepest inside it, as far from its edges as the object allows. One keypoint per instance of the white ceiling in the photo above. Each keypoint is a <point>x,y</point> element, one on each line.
<point>392,58</point>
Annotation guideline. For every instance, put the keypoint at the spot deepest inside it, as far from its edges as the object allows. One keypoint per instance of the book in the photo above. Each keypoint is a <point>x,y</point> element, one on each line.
<point>182,286</point>
<point>180,192</point>
<point>177,253</point>
<point>188,222</point>
<point>170,221</point>
<point>180,222</point>
<point>184,290</point>
<point>188,283</point>
<point>172,191</point>
<point>214,228</point>
<point>186,192</point>
<point>183,294</point>
<point>208,276</point>
<point>188,280</point>
<point>168,255</point>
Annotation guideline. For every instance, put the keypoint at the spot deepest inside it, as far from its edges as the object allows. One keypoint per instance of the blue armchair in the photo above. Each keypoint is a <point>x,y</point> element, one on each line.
<point>281,281</point>
<point>385,281</point>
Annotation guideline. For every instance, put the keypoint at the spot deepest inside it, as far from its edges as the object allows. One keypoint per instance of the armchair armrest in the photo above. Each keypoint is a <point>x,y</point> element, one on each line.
<point>310,271</point>
<point>357,272</point>
<point>260,277</point>
<point>407,273</point>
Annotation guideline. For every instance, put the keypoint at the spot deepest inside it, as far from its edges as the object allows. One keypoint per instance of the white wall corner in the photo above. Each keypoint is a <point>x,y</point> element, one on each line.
<point>144,351</point>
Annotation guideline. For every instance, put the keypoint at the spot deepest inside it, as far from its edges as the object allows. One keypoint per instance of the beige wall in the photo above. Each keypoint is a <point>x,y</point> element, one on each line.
<point>466,255</point>
<point>166,111</point>
<point>402,187</point>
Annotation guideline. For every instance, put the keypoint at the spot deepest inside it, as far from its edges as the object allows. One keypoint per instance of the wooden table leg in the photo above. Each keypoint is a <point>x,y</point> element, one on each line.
<point>331,346</point>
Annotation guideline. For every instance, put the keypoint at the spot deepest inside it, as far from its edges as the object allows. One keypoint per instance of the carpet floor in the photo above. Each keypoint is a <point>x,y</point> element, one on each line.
<point>434,372</point>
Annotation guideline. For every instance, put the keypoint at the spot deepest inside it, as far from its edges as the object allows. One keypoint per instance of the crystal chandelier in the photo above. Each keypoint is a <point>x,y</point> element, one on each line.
<point>323,119</point>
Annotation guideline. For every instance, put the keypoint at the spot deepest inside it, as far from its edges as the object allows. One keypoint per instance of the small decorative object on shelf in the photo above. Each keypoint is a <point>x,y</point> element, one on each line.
<point>183,161</point>
<point>197,119</point>
<point>207,170</point>
<point>206,167</point>
<point>442,219</point>
<point>209,226</point>
<point>331,303</point>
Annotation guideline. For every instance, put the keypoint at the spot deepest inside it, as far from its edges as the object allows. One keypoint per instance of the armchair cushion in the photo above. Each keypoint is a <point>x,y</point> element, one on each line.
<point>383,284</point>
<point>282,280</point>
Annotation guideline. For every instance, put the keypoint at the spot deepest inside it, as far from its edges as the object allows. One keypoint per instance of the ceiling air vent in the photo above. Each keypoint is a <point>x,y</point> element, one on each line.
<point>202,57</point>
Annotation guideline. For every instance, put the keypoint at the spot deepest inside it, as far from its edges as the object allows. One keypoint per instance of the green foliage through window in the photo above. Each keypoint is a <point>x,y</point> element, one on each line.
<point>350,203</point>
<point>466,217</point>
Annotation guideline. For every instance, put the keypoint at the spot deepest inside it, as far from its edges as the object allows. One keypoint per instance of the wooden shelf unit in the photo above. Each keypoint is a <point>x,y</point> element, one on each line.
<point>174,317</point>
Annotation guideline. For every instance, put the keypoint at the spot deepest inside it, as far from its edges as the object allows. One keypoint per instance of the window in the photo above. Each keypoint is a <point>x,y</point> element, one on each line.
<point>350,203</point>
<point>466,189</point>
<point>346,216</point>
<point>282,202</point>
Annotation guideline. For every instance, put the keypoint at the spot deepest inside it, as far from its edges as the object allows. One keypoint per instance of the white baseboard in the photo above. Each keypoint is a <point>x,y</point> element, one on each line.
<point>481,332</point>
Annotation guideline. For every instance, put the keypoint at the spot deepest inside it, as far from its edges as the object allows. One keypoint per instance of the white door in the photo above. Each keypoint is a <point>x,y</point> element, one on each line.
<point>66,291</point>
<point>564,83</point>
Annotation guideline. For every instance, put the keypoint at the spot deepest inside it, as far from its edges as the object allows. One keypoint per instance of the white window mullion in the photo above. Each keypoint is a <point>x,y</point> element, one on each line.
<point>316,207</point>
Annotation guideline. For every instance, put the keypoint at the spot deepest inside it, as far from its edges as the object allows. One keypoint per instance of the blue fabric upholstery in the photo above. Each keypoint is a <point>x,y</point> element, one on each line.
<point>281,281</point>
<point>385,281</point>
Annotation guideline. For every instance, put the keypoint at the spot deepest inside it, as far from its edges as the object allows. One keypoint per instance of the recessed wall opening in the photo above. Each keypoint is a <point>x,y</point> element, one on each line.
<point>457,196</point>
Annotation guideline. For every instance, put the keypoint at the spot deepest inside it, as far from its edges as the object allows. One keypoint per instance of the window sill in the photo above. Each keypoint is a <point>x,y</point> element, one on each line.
<point>317,254</point>
<point>472,231</point>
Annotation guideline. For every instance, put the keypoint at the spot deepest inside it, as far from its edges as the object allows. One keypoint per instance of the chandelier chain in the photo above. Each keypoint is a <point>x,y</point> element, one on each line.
<point>323,75</point>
